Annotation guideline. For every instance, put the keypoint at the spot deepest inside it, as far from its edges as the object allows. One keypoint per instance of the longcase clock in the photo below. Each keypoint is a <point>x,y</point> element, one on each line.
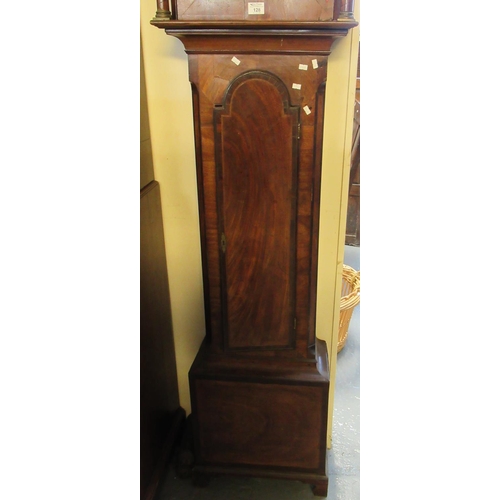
<point>259,384</point>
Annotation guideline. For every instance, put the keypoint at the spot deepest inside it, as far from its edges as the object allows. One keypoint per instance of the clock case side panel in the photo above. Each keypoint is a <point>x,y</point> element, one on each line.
<point>201,209</point>
<point>316,191</point>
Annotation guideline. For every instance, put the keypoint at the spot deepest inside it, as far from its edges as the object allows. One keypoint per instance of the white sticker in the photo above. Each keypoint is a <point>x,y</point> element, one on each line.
<point>255,8</point>
<point>296,86</point>
<point>307,110</point>
<point>236,61</point>
<point>303,67</point>
<point>315,63</point>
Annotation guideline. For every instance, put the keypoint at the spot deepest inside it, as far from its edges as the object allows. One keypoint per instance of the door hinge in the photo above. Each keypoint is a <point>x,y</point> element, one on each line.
<point>298,131</point>
<point>223,243</point>
<point>295,323</point>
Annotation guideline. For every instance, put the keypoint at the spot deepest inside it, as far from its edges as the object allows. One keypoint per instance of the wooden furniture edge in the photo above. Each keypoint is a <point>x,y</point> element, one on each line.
<point>297,27</point>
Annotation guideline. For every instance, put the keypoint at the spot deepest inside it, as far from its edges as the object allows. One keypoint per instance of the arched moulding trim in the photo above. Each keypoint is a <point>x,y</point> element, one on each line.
<point>262,75</point>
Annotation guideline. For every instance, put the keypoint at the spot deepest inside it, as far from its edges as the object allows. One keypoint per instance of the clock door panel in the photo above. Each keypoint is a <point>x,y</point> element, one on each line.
<point>256,154</point>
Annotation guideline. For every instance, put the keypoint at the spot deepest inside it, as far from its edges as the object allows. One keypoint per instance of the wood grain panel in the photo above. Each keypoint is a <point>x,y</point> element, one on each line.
<point>277,425</point>
<point>257,160</point>
<point>270,44</point>
<point>285,10</point>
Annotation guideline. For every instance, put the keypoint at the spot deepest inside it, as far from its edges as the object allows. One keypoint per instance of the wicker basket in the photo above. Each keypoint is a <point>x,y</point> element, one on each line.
<point>349,300</point>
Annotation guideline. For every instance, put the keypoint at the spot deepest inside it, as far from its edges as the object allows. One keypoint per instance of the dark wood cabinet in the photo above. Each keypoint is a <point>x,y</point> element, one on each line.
<point>259,384</point>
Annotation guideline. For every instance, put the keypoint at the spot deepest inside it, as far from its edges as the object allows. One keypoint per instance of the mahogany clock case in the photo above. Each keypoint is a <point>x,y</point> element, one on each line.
<point>260,382</point>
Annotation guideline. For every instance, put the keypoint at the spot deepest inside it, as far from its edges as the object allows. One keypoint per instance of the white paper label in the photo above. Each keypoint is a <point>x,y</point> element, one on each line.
<point>236,61</point>
<point>315,63</point>
<point>296,86</point>
<point>303,67</point>
<point>307,110</point>
<point>255,8</point>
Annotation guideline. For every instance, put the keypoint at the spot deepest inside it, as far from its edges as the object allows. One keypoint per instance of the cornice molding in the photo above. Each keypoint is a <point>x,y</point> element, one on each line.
<point>264,37</point>
<point>320,26</point>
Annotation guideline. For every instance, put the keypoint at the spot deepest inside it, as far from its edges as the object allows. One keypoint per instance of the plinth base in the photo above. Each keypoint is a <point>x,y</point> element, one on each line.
<point>260,417</point>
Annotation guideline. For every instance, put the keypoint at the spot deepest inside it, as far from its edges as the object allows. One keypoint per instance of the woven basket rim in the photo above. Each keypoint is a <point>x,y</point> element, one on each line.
<point>353,278</point>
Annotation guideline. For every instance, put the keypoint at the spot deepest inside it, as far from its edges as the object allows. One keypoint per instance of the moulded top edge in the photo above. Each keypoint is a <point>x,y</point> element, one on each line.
<point>319,26</point>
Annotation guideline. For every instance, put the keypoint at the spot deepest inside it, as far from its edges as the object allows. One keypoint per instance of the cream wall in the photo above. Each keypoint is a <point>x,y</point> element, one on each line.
<point>339,115</point>
<point>171,129</point>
